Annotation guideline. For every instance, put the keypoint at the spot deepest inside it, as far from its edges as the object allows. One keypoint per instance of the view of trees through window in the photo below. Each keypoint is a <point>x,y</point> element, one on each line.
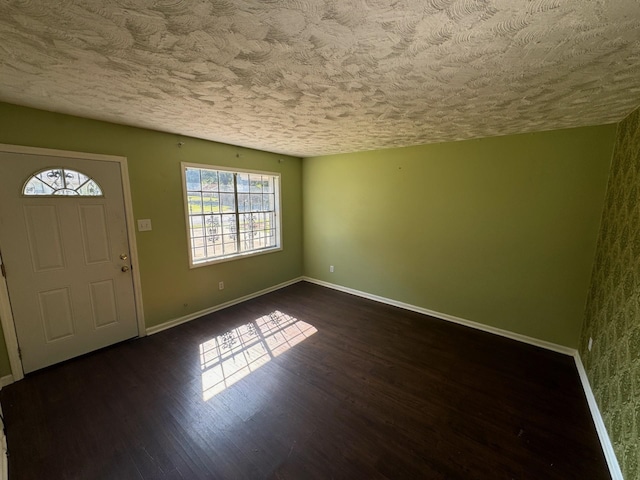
<point>230,212</point>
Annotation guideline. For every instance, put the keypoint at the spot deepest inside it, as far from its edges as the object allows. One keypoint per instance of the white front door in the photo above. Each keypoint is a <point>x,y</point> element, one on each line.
<point>67,261</point>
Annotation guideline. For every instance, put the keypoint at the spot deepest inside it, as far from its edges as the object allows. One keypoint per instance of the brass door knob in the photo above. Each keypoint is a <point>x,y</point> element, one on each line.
<point>125,268</point>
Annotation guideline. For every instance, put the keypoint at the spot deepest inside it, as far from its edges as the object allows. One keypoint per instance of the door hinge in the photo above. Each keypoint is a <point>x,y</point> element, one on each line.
<point>4,271</point>
<point>20,353</point>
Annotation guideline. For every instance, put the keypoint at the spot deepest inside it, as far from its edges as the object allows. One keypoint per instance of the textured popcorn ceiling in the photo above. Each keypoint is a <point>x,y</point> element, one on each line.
<point>310,77</point>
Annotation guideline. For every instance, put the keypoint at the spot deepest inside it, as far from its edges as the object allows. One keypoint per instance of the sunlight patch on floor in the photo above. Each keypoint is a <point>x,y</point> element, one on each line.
<point>229,357</point>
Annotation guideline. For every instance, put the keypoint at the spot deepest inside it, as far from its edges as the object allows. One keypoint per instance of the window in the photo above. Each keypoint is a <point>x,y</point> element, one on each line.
<point>230,213</point>
<point>61,181</point>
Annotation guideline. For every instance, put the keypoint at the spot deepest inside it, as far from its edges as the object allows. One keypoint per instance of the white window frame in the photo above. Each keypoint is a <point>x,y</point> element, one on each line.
<point>238,255</point>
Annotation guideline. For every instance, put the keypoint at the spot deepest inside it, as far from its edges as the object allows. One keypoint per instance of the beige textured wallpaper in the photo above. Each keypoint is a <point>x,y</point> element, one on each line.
<point>319,77</point>
<point>613,306</point>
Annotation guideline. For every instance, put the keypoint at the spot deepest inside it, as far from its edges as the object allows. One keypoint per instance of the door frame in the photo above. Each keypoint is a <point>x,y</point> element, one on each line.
<point>6,314</point>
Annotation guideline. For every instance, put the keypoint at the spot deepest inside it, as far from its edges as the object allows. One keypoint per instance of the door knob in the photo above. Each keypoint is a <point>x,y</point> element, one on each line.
<point>125,268</point>
<point>123,256</point>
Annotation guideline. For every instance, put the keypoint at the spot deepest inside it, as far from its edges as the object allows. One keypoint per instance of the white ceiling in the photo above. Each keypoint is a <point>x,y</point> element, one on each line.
<point>311,77</point>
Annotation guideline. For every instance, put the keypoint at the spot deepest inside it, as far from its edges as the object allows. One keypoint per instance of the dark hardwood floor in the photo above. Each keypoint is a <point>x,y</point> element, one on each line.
<point>340,388</point>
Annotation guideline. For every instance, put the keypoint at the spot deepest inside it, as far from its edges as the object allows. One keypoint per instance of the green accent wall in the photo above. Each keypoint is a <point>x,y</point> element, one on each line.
<point>500,231</point>
<point>612,317</point>
<point>169,288</point>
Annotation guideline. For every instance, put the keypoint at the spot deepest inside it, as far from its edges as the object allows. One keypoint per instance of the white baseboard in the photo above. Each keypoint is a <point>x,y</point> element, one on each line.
<point>605,441</point>
<point>601,429</point>
<point>192,316</point>
<point>444,316</point>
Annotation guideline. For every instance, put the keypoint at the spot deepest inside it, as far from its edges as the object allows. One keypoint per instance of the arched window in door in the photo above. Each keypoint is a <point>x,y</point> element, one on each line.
<point>61,181</point>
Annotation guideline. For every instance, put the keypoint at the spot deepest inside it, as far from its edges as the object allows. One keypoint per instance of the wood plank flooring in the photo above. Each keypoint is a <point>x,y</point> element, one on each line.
<point>340,388</point>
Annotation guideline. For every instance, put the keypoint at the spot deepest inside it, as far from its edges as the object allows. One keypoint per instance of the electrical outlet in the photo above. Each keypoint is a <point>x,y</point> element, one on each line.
<point>331,268</point>
<point>590,343</point>
<point>221,286</point>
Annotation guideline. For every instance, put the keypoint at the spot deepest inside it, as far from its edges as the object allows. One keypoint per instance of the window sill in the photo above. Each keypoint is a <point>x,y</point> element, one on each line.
<point>240,256</point>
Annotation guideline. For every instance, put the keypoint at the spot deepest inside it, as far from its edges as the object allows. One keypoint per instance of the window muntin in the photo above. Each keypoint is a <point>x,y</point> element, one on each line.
<point>61,181</point>
<point>230,213</point>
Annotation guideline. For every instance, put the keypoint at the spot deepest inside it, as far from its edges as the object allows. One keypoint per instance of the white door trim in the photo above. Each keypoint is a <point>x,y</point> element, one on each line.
<point>6,315</point>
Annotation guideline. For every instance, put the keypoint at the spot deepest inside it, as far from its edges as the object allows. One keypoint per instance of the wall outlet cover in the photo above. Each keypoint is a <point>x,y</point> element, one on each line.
<point>144,225</point>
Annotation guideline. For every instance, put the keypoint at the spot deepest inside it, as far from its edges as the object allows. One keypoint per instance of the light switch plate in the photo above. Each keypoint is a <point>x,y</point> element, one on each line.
<point>144,225</point>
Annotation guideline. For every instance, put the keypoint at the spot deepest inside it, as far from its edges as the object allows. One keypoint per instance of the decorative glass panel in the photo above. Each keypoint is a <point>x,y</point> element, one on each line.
<point>61,181</point>
<point>230,213</point>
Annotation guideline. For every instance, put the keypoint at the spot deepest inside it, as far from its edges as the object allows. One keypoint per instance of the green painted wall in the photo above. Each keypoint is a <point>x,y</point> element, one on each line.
<point>169,288</point>
<point>500,231</point>
<point>612,316</point>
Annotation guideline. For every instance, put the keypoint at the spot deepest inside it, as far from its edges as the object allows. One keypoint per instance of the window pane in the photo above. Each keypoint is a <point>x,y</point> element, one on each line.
<point>256,203</point>
<point>243,183</point>
<point>225,181</point>
<point>73,179</point>
<point>244,202</point>
<point>193,178</point>
<point>210,203</point>
<point>52,177</point>
<point>246,241</point>
<point>230,226</point>
<point>195,202</point>
<point>214,246</point>
<point>255,183</point>
<point>246,222</point>
<point>267,185</point>
<point>65,191</point>
<point>209,180</point>
<point>63,182</point>
<point>267,202</point>
<point>228,202</point>
<point>35,186</point>
<point>262,224</point>
<point>269,237</point>
<point>198,253</point>
<point>224,222</point>
<point>213,227</point>
<point>230,248</point>
<point>198,249</point>
<point>196,221</point>
<point>90,189</point>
